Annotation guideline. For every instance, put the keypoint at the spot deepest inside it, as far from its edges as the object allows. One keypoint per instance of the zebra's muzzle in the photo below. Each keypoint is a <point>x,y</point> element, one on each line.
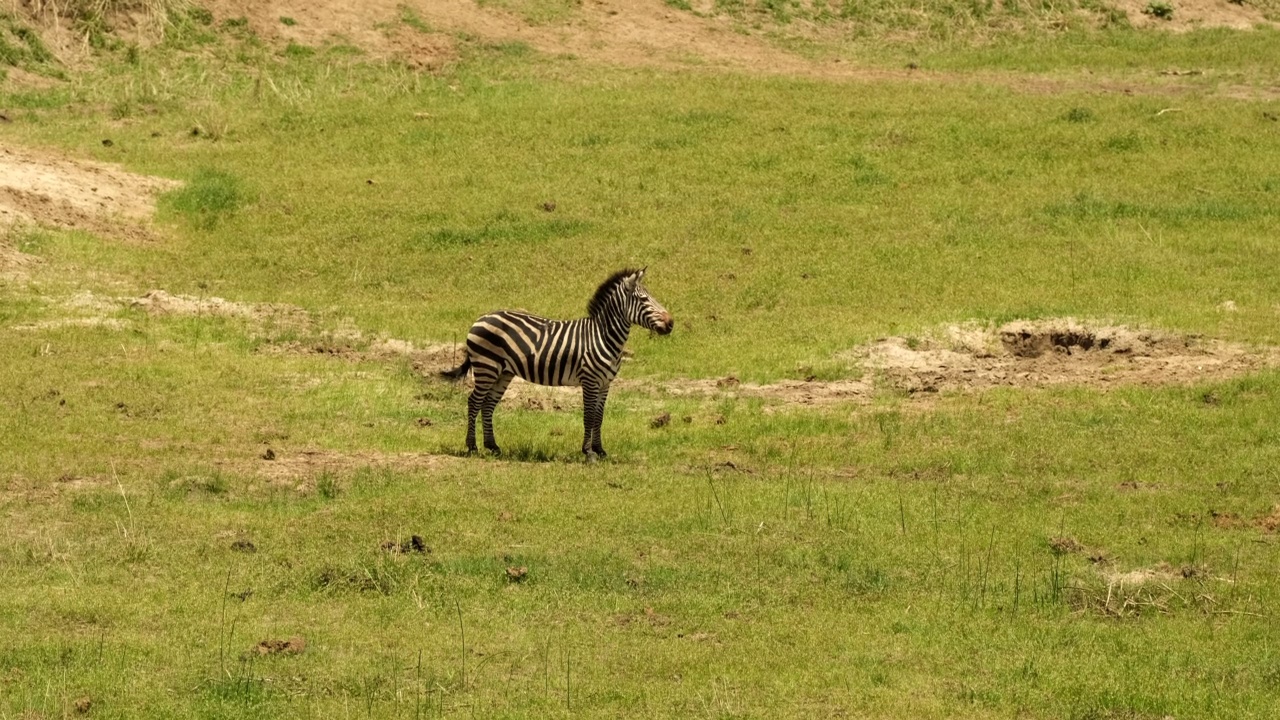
<point>664,325</point>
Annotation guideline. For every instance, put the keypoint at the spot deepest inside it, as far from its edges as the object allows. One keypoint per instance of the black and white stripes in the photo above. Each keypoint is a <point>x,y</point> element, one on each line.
<point>586,352</point>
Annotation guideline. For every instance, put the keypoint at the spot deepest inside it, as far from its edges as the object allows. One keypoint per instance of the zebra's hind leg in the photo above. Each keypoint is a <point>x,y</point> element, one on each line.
<point>474,401</point>
<point>486,411</point>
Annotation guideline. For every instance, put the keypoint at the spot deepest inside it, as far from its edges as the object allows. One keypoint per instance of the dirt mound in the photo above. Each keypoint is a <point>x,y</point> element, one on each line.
<point>1054,352</point>
<point>1187,15</point>
<point>381,28</point>
<point>44,188</point>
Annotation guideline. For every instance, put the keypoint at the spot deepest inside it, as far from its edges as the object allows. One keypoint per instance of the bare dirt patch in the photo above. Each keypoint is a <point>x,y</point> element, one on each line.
<point>300,469</point>
<point>14,263</point>
<point>292,646</point>
<point>1269,523</point>
<point>787,392</point>
<point>378,27</point>
<point>1193,14</point>
<point>1055,352</point>
<point>160,302</point>
<point>44,188</point>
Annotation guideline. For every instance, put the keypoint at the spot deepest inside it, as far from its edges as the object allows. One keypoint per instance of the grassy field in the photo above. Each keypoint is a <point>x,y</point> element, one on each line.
<point>1068,552</point>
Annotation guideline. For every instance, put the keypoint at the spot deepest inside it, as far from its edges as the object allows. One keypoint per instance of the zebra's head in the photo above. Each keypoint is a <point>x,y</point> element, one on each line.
<point>626,292</point>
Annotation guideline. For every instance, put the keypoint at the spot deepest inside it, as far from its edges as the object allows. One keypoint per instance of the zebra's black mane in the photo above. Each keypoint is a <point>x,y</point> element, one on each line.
<point>606,288</point>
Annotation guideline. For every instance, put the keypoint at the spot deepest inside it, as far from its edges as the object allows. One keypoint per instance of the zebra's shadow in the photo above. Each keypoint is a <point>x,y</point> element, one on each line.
<point>525,453</point>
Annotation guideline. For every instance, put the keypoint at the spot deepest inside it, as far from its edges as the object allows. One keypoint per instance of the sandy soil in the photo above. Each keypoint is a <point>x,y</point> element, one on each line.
<point>1055,352</point>
<point>46,188</point>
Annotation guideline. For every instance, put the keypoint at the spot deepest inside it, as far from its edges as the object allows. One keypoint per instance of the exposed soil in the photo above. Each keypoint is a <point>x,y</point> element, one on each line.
<point>299,469</point>
<point>1055,352</point>
<point>787,392</point>
<point>1269,523</point>
<point>13,262</point>
<point>377,27</point>
<point>292,646</point>
<point>1194,14</point>
<point>160,302</point>
<point>48,189</point>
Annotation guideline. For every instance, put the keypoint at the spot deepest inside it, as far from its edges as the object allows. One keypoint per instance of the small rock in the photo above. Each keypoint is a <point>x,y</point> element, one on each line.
<point>661,420</point>
<point>517,574</point>
<point>269,454</point>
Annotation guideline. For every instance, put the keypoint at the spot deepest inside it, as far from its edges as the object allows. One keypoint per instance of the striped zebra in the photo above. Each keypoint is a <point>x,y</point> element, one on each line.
<point>586,352</point>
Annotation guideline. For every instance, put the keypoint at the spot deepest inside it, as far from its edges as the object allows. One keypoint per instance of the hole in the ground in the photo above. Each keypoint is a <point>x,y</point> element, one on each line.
<point>1071,338</point>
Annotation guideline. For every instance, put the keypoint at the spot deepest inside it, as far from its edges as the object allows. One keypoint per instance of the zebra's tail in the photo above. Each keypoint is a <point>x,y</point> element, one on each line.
<point>459,372</point>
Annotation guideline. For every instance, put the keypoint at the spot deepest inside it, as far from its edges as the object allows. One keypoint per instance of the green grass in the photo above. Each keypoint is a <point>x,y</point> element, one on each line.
<point>889,559</point>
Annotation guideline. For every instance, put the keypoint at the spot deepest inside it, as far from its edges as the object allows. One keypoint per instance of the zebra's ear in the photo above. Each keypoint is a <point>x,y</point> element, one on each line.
<point>630,282</point>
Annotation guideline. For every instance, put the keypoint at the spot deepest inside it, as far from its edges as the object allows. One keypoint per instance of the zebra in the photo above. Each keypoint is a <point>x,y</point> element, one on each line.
<point>585,352</point>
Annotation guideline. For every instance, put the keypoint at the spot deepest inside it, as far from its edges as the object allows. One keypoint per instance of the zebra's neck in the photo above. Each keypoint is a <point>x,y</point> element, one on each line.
<point>612,329</point>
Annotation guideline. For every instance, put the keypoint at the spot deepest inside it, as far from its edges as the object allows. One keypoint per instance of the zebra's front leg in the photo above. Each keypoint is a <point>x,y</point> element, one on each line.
<point>593,398</point>
<point>490,402</point>
<point>596,445</point>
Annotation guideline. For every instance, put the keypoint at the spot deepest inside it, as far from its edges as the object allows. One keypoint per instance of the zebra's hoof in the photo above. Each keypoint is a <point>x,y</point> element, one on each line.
<point>493,449</point>
<point>590,457</point>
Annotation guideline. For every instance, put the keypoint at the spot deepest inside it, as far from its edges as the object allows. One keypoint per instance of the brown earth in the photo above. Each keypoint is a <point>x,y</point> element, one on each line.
<point>46,188</point>
<point>300,469</point>
<point>13,262</point>
<point>1054,352</point>
<point>1195,14</point>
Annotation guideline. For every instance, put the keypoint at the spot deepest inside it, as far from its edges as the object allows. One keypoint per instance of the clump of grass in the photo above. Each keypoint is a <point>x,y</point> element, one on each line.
<point>410,17</point>
<point>328,487</point>
<point>210,196</point>
<point>294,50</point>
<point>1159,9</point>
<point>1079,115</point>
<point>20,46</point>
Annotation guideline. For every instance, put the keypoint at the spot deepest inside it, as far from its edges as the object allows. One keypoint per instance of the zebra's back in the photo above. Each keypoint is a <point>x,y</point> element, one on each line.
<point>537,349</point>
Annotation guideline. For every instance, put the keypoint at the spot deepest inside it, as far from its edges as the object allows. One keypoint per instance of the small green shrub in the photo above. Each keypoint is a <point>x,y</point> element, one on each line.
<point>1159,9</point>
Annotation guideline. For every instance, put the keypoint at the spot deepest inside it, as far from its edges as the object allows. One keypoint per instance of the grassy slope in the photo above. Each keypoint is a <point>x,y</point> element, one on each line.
<point>882,561</point>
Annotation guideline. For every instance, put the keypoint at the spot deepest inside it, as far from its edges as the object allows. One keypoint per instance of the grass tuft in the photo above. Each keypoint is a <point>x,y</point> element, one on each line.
<point>209,197</point>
